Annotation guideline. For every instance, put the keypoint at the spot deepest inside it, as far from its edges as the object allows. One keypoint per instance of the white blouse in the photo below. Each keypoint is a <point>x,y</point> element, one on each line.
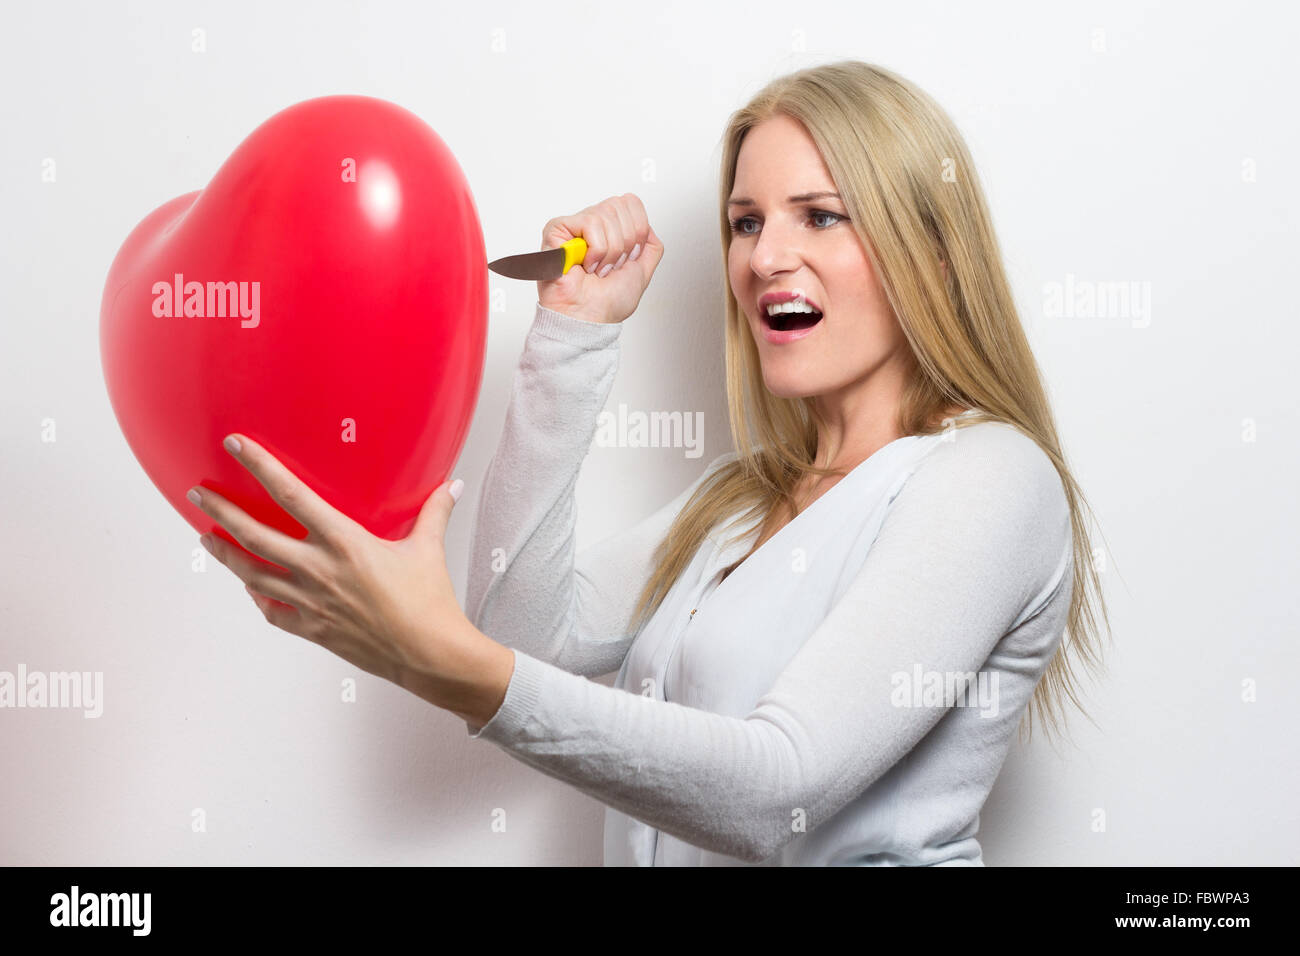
<point>846,696</point>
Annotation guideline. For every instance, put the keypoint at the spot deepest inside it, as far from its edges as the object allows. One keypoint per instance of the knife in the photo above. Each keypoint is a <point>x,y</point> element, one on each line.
<point>547,264</point>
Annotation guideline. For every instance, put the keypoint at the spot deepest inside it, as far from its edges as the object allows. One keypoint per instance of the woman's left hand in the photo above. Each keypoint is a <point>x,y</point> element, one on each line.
<point>386,606</point>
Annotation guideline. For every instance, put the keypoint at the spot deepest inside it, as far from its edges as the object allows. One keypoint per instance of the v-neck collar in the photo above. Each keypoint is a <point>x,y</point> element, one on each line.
<point>726,554</point>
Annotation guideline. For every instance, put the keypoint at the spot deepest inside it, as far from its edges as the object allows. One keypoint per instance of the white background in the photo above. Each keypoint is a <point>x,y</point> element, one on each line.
<point>1111,156</point>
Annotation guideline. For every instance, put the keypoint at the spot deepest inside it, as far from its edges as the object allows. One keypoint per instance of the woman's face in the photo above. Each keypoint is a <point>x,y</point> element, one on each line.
<point>808,246</point>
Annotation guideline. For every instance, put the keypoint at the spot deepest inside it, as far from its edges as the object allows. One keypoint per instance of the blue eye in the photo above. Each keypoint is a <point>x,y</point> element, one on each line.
<point>738,225</point>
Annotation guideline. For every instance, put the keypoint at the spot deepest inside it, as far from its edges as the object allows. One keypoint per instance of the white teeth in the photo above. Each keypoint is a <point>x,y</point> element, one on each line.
<point>777,307</point>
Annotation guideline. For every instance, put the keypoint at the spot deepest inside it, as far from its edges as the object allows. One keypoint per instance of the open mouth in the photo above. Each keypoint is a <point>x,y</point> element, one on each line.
<point>790,321</point>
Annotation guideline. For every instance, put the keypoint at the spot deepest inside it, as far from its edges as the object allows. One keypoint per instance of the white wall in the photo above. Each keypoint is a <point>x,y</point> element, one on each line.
<point>1115,164</point>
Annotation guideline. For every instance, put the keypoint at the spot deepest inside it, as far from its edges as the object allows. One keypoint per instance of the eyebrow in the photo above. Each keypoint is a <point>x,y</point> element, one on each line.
<point>802,197</point>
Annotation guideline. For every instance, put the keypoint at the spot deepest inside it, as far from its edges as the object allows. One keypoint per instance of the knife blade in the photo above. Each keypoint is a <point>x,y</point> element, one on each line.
<point>547,264</point>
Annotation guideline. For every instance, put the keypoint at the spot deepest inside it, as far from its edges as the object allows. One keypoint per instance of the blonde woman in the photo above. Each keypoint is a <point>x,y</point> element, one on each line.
<point>824,643</point>
<point>838,681</point>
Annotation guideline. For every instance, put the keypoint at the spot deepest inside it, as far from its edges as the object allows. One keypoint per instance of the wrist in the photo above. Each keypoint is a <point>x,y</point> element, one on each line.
<point>581,315</point>
<point>469,679</point>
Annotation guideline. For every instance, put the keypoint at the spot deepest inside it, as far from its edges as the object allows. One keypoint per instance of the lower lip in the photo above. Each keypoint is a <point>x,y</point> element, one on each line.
<point>780,338</point>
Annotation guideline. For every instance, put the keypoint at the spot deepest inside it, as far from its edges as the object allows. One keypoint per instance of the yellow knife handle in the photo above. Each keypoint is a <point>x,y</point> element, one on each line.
<point>575,250</point>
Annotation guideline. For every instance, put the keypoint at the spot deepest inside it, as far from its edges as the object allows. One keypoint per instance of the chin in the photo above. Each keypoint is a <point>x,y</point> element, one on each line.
<point>782,388</point>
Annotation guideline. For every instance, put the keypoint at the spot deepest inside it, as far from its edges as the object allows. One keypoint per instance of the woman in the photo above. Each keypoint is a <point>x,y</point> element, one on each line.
<point>836,681</point>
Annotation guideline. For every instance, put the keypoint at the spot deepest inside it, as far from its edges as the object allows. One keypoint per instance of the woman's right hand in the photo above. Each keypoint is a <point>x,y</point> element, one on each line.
<point>617,234</point>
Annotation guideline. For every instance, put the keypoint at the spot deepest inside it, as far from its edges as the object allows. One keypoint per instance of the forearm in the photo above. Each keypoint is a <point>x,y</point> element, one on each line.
<point>521,570</point>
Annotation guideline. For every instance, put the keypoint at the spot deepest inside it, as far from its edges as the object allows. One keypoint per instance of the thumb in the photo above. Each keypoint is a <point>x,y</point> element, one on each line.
<point>436,511</point>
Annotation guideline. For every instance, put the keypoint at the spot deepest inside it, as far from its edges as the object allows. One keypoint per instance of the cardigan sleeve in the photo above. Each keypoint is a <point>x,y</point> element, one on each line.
<point>526,588</point>
<point>976,541</point>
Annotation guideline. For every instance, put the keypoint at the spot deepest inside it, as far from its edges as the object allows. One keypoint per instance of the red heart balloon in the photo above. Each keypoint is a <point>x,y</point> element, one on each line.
<point>325,295</point>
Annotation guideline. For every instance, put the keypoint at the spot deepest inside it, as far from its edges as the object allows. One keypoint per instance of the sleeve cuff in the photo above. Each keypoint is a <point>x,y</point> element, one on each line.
<point>565,328</point>
<point>520,701</point>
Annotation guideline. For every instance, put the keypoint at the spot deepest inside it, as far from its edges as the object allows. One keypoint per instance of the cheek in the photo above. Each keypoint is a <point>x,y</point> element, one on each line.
<point>739,285</point>
<point>857,287</point>
<point>734,263</point>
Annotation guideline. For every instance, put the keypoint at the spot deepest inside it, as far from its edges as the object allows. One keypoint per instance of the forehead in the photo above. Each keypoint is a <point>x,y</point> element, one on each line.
<point>779,153</point>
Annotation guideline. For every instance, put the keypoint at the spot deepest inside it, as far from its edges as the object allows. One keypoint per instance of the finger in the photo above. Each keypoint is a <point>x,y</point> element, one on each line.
<point>283,616</point>
<point>253,536</point>
<point>640,225</point>
<point>290,492</point>
<point>563,228</point>
<point>263,578</point>
<point>653,251</point>
<point>557,232</point>
<point>626,230</point>
<point>431,522</point>
<point>614,246</point>
<point>592,230</point>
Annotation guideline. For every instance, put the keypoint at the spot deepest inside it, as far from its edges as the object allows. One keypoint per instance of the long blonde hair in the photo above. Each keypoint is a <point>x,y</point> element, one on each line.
<point>911,190</point>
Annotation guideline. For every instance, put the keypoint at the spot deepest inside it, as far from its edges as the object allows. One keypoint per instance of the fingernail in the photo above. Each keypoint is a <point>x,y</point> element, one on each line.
<point>456,488</point>
<point>636,251</point>
<point>194,495</point>
<point>605,271</point>
<point>621,260</point>
<point>591,269</point>
<point>232,444</point>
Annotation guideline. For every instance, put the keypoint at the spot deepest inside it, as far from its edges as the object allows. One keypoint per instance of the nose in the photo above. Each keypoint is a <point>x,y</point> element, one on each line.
<point>777,249</point>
